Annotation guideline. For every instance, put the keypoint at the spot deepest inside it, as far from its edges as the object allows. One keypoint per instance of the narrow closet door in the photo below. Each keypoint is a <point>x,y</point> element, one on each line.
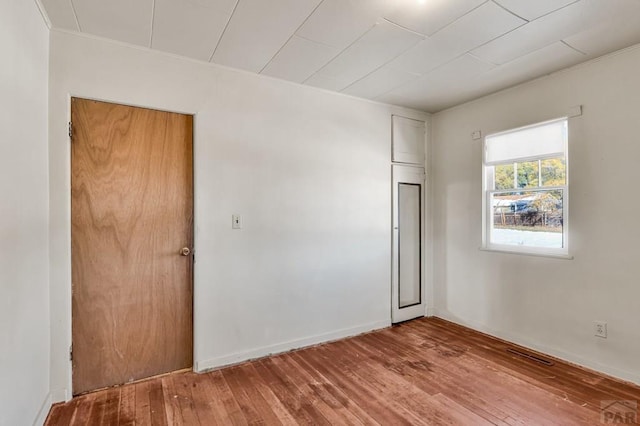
<point>408,293</point>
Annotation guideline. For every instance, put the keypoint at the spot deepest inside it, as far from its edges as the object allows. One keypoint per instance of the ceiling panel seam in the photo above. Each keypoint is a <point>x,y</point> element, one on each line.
<point>459,17</point>
<point>290,37</point>
<point>75,15</point>
<point>541,16</point>
<point>470,53</point>
<point>496,38</point>
<point>153,18</point>
<point>425,74</point>
<point>340,53</point>
<point>394,87</point>
<point>43,13</point>
<point>391,60</point>
<point>574,48</point>
<point>314,41</point>
<point>520,26</point>
<point>224,31</point>
<point>510,11</point>
<point>409,30</point>
<point>558,9</point>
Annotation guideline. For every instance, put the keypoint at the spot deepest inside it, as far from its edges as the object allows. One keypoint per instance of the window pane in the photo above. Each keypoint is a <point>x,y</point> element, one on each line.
<point>527,174</point>
<point>504,176</point>
<point>528,218</point>
<point>553,171</point>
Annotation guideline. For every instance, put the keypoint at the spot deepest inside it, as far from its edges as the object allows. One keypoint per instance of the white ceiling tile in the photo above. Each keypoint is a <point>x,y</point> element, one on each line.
<point>608,36</point>
<point>425,56</point>
<point>533,65</point>
<point>380,81</point>
<point>473,29</point>
<point>339,23</point>
<point>122,20</point>
<point>430,16</point>
<point>531,10</point>
<point>434,89</point>
<point>224,6</point>
<point>554,27</point>
<point>189,28</point>
<point>546,60</point>
<point>258,29</point>
<point>60,14</point>
<point>349,46</point>
<point>378,46</point>
<point>299,59</point>
<point>327,82</point>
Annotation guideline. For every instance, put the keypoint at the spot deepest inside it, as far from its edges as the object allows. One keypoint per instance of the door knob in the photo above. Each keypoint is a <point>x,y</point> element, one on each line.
<point>185,251</point>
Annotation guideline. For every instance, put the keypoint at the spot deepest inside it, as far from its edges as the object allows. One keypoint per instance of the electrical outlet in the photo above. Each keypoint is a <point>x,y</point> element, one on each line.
<point>601,329</point>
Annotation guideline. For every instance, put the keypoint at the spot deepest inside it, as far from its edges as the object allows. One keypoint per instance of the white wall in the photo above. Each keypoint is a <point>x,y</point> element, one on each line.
<point>308,170</point>
<point>544,303</point>
<point>24,264</point>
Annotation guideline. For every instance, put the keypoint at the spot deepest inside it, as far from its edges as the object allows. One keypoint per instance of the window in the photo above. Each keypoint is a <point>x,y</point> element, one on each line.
<point>526,189</point>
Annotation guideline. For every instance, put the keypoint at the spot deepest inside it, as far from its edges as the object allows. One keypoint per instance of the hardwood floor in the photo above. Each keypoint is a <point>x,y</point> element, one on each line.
<point>426,371</point>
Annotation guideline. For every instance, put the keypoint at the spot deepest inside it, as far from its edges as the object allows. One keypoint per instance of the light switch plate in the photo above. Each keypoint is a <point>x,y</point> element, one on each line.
<point>236,221</point>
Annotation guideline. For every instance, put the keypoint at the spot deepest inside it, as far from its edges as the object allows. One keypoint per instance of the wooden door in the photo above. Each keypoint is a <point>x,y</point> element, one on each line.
<point>131,214</point>
<point>407,283</point>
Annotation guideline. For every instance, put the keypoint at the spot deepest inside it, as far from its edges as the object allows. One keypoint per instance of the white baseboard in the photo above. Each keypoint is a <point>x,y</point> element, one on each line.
<point>225,360</point>
<point>557,353</point>
<point>60,395</point>
<point>44,411</point>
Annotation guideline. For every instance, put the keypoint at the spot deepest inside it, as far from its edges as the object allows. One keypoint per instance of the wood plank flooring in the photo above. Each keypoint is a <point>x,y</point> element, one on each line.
<point>423,372</point>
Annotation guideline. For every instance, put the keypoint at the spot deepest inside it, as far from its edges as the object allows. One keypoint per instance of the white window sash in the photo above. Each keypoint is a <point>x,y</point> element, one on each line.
<point>489,161</point>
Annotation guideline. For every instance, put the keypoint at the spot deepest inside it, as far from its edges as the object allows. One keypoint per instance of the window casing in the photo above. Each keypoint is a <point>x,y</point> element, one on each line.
<point>526,189</point>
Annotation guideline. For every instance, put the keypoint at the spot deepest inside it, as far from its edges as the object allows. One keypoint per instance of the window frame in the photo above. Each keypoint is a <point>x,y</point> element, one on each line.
<point>487,215</point>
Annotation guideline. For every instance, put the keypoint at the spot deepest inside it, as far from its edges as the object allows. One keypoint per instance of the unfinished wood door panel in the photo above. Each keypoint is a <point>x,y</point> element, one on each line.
<point>131,213</point>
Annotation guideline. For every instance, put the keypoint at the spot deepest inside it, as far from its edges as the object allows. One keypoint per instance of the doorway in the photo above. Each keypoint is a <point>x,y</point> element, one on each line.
<point>408,277</point>
<point>131,243</point>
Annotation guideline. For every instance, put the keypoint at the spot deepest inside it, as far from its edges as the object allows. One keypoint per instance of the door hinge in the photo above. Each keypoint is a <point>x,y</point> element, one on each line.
<point>71,130</point>
<point>71,353</point>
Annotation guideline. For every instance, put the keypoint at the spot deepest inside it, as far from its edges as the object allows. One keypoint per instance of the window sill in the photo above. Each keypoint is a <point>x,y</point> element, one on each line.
<point>528,253</point>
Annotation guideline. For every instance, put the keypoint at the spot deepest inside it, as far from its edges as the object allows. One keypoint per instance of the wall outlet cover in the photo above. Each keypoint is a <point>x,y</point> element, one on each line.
<point>600,329</point>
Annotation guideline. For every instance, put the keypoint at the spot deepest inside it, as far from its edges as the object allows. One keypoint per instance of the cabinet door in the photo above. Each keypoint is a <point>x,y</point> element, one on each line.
<point>408,140</point>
